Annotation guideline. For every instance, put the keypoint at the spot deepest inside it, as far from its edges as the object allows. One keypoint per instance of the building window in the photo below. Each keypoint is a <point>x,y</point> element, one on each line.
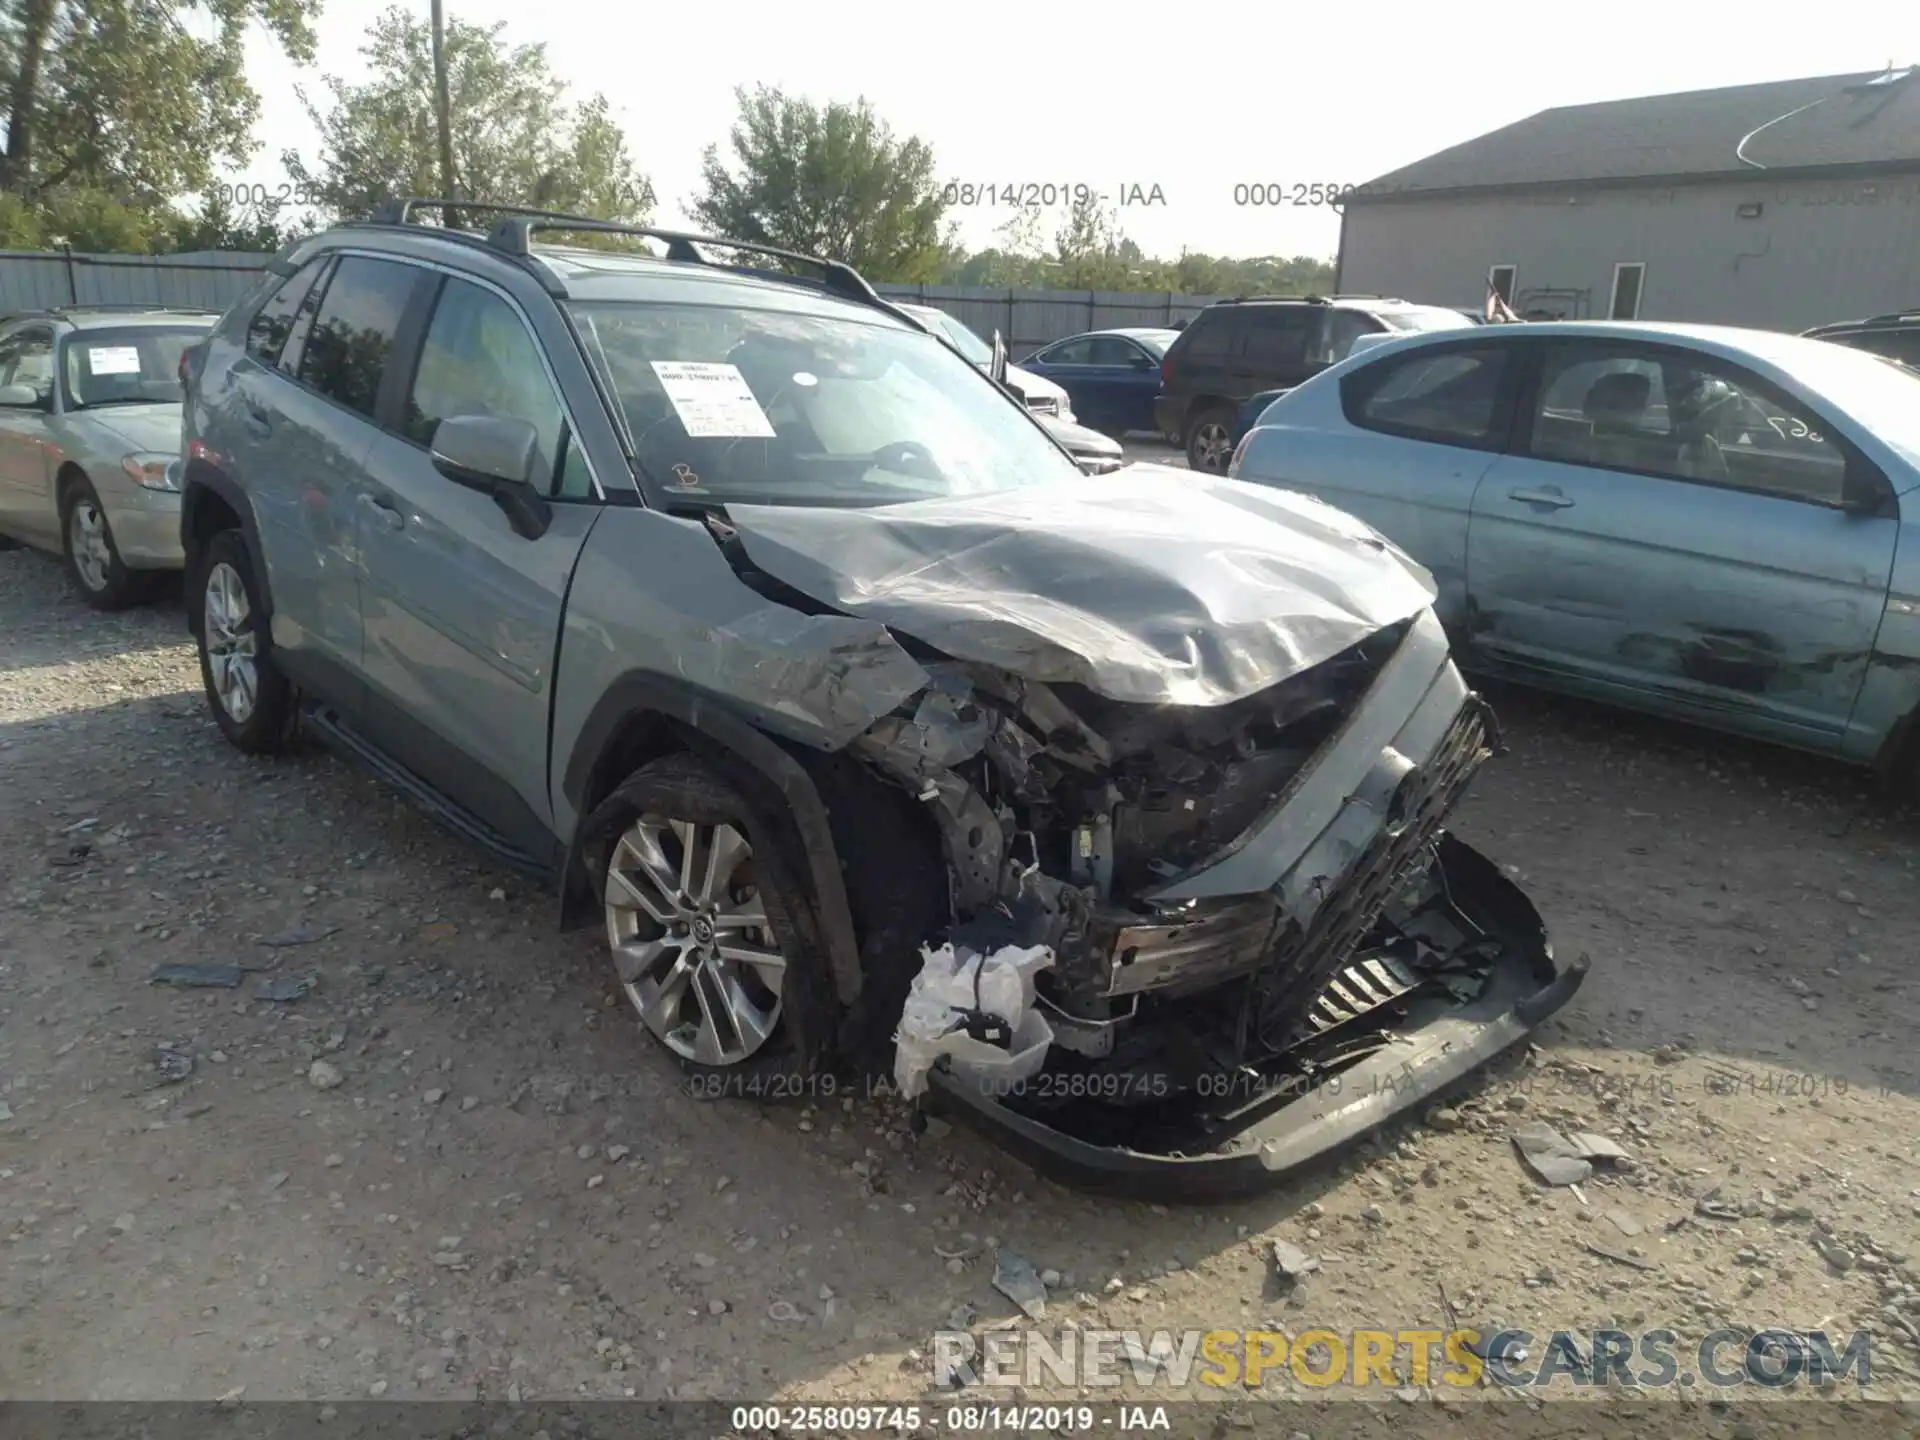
<point>1503,278</point>
<point>1628,280</point>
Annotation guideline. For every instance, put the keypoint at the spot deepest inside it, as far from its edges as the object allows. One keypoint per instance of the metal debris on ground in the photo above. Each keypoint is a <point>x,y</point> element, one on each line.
<point>1559,1159</point>
<point>1015,1278</point>
<point>302,934</point>
<point>285,989</point>
<point>209,977</point>
<point>1619,1257</point>
<point>1291,1263</point>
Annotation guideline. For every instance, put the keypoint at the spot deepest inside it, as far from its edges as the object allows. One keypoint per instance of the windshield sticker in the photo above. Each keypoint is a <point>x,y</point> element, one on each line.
<point>685,476</point>
<point>804,378</point>
<point>712,400</point>
<point>113,359</point>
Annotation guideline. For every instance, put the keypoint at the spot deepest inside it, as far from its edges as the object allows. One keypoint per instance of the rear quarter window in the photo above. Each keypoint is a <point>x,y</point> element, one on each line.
<point>1452,396</point>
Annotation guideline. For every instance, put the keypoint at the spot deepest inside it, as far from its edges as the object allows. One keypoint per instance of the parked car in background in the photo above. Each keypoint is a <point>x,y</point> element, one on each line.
<point>1721,525</point>
<point>1042,396</point>
<point>1112,375</point>
<point>1895,336</point>
<point>1234,349</point>
<point>90,441</point>
<point>1251,412</point>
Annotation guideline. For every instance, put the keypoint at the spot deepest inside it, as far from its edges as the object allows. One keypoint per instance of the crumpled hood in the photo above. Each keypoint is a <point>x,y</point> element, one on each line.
<point>1154,585</point>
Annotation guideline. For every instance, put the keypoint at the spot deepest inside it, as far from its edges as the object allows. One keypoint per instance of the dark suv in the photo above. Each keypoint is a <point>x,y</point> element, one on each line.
<point>1895,336</point>
<point>1234,349</point>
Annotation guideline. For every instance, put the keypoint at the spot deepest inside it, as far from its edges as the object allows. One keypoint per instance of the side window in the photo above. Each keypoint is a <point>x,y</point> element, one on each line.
<point>26,358</point>
<point>1603,407</point>
<point>346,352</point>
<point>1216,334</point>
<point>273,322</point>
<point>1680,417</point>
<point>1281,336</point>
<point>1451,397</point>
<point>1344,328</point>
<point>1112,350</point>
<point>1073,352</point>
<point>479,359</point>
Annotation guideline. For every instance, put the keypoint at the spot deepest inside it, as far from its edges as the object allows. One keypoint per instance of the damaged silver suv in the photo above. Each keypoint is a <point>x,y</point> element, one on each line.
<point>717,592</point>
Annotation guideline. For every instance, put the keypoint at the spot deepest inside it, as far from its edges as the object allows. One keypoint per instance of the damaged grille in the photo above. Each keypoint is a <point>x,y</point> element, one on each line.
<point>1306,961</point>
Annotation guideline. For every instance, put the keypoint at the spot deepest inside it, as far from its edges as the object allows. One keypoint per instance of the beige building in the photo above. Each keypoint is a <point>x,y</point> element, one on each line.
<point>1781,205</point>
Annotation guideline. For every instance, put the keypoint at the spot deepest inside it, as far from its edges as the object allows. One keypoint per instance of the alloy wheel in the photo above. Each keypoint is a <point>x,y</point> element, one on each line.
<point>230,642</point>
<point>1213,446</point>
<point>691,941</point>
<point>87,540</point>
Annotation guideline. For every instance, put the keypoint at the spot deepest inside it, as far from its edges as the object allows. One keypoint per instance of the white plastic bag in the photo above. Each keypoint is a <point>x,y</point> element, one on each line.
<point>944,990</point>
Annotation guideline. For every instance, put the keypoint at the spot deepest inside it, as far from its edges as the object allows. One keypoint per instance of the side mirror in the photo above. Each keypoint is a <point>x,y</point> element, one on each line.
<point>496,456</point>
<point>999,370</point>
<point>19,397</point>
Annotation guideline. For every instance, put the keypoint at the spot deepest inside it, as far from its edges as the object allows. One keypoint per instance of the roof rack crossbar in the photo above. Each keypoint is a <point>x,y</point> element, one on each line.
<point>515,236</point>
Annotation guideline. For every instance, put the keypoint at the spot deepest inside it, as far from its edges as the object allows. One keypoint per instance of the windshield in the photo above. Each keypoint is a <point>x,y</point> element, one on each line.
<point>772,408</point>
<point>964,340</point>
<point>133,365</point>
<point>1156,341</point>
<point>1882,395</point>
<point>1424,319</point>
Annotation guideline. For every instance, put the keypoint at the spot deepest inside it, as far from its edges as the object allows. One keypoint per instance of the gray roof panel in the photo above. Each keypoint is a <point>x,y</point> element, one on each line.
<point>1826,121</point>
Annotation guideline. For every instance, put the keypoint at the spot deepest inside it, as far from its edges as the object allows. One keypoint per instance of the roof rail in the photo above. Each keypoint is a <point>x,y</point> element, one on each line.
<point>400,211</point>
<point>1895,318</point>
<point>130,308</point>
<point>514,235</point>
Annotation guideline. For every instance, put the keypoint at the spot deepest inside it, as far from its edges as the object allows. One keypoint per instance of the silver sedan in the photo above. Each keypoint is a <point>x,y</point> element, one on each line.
<point>90,442</point>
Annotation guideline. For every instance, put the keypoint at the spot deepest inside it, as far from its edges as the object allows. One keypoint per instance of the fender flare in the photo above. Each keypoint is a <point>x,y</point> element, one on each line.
<point>204,478</point>
<point>730,741</point>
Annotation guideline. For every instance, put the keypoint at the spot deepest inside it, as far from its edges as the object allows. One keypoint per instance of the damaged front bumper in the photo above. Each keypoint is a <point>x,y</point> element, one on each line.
<point>1405,1021</point>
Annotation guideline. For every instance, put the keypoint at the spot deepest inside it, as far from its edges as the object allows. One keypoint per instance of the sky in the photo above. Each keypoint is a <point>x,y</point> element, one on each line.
<point>1192,103</point>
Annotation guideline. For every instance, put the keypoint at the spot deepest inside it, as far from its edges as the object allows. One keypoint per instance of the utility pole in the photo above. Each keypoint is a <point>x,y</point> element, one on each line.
<point>443,110</point>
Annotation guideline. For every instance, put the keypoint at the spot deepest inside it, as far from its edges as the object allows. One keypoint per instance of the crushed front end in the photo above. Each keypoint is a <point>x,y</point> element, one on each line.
<point>1264,941</point>
<point>1198,741</point>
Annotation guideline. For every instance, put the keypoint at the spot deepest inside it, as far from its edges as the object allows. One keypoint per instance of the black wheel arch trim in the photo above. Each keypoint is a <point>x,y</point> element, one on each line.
<point>203,478</point>
<point>728,739</point>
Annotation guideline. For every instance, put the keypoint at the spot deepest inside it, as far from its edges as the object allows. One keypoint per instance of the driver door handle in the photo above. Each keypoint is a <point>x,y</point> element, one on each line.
<point>1550,499</point>
<point>388,515</point>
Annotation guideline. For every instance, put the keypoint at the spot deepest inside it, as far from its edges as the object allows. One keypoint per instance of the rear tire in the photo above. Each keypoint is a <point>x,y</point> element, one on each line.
<point>1209,442</point>
<point>713,939</point>
<point>252,702</point>
<point>93,560</point>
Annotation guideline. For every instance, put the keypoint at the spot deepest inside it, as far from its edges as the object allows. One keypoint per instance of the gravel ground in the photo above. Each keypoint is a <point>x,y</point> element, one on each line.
<point>455,1168</point>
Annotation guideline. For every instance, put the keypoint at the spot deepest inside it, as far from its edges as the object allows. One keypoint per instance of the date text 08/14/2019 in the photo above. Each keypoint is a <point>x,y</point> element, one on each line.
<point>1042,194</point>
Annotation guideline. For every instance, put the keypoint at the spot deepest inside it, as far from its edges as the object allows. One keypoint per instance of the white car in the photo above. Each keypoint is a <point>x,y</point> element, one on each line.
<point>1043,397</point>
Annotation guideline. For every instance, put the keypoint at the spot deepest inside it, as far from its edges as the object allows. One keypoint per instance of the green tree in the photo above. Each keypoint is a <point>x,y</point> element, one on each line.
<point>517,140</point>
<point>831,181</point>
<point>1090,253</point>
<point>123,99</point>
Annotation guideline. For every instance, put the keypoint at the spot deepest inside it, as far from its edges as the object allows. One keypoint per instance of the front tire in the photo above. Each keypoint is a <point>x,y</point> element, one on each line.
<point>712,939</point>
<point>1210,440</point>
<point>252,702</point>
<point>93,560</point>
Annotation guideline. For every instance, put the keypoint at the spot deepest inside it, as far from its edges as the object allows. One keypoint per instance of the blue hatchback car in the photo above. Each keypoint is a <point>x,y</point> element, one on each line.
<point>1111,375</point>
<point>1716,524</point>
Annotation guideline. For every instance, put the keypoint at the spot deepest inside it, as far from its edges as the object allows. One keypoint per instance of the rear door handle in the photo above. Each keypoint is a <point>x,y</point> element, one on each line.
<point>387,514</point>
<point>1551,499</point>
